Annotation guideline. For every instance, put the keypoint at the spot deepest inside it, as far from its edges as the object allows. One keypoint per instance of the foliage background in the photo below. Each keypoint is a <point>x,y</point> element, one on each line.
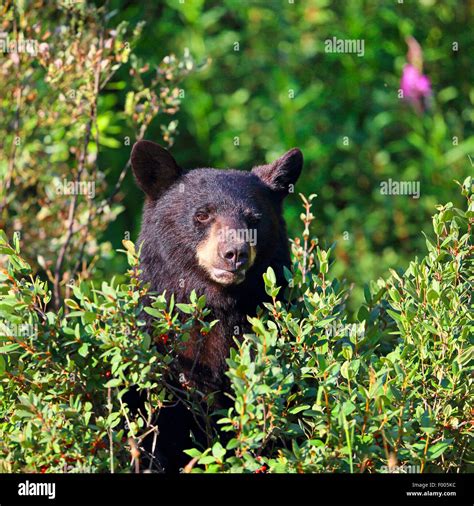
<point>99,81</point>
<point>245,93</point>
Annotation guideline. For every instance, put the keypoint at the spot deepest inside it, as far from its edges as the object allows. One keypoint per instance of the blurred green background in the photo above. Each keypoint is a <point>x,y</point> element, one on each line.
<point>268,82</point>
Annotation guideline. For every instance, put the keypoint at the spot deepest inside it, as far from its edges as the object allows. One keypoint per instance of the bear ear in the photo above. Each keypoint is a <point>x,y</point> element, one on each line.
<point>282,173</point>
<point>154,168</point>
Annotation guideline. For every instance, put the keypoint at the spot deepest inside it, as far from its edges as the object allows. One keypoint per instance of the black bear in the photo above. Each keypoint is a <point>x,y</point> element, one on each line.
<point>215,232</point>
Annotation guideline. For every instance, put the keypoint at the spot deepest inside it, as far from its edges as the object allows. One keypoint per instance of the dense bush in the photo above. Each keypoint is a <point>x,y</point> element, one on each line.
<point>312,390</point>
<point>56,118</point>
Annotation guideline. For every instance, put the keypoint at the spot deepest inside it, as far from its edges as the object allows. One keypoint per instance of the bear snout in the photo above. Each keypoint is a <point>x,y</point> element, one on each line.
<point>227,253</point>
<point>234,255</point>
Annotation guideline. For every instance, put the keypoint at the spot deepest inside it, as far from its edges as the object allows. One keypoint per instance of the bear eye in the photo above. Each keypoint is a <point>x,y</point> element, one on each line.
<point>202,216</point>
<point>252,218</point>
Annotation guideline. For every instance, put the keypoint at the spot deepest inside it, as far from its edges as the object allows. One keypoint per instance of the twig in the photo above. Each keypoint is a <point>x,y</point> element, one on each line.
<point>82,164</point>
<point>71,215</point>
<point>111,438</point>
<point>153,445</point>
<point>189,466</point>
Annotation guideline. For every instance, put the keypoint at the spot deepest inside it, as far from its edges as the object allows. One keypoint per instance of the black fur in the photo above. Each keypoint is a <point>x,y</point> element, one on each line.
<point>170,237</point>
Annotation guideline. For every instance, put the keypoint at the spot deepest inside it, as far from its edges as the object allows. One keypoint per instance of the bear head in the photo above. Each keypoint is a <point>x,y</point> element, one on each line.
<point>220,226</point>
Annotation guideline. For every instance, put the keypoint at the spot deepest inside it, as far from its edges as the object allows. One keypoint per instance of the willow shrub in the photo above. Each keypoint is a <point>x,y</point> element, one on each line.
<point>313,392</point>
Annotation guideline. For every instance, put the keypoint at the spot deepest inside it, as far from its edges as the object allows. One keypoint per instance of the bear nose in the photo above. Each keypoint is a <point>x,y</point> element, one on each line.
<point>235,256</point>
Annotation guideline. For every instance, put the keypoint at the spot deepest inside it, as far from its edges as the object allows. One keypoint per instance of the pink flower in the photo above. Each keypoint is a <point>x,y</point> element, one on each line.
<point>415,86</point>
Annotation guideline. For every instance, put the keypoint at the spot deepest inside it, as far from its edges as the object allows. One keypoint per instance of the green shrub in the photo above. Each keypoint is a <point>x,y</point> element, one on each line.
<point>311,396</point>
<point>56,191</point>
<point>312,390</point>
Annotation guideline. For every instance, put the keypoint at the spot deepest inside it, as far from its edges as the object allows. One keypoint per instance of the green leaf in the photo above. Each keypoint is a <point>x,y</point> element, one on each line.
<point>88,317</point>
<point>432,295</point>
<point>395,316</point>
<point>193,452</point>
<point>9,347</point>
<point>438,449</point>
<point>185,308</point>
<point>84,350</point>
<point>233,443</point>
<point>345,369</point>
<point>218,451</point>
<point>297,409</point>
<point>348,407</point>
<point>115,382</point>
<point>316,442</point>
<point>269,278</point>
<point>208,459</point>
<point>113,420</point>
<point>367,294</point>
<point>23,413</point>
<point>153,312</point>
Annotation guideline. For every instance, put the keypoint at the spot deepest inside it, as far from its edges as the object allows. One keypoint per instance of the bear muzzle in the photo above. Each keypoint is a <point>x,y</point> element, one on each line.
<point>226,256</point>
